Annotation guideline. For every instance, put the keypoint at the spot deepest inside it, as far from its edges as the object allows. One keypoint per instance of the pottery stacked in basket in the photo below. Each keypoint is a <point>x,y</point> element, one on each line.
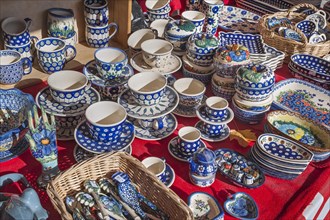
<point>158,9</point>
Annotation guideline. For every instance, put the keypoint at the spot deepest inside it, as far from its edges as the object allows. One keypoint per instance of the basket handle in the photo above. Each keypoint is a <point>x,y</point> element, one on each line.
<point>302,5</point>
<point>301,34</point>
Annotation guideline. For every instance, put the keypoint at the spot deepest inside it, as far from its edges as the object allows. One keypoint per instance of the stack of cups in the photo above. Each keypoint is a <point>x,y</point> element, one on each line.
<point>212,9</point>
<point>158,9</point>
<point>97,31</point>
<point>254,92</point>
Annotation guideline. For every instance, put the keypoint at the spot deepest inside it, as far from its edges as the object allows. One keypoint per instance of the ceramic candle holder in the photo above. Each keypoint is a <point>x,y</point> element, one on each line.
<point>110,62</point>
<point>68,87</point>
<point>147,87</point>
<point>96,12</point>
<point>216,107</point>
<point>105,120</point>
<point>196,17</point>
<point>138,37</point>
<point>191,91</point>
<point>157,166</point>
<point>189,140</point>
<point>156,52</point>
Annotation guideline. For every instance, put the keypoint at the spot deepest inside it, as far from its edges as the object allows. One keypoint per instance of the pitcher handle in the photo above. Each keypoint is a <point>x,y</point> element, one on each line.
<point>27,66</point>
<point>67,58</point>
<point>112,24</point>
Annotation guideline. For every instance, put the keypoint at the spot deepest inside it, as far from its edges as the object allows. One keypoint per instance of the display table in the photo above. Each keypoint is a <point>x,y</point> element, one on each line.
<point>276,199</point>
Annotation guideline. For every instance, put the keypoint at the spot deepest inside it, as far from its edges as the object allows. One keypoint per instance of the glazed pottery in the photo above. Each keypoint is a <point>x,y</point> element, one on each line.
<point>196,17</point>
<point>195,69</point>
<point>147,88</point>
<point>110,62</point>
<point>60,23</point>
<point>216,107</point>
<point>103,117</point>
<point>159,25</point>
<point>205,206</point>
<point>67,86</point>
<point>238,169</point>
<point>96,12</point>
<point>222,91</point>
<point>25,50</point>
<point>223,82</point>
<point>274,58</point>
<point>319,17</point>
<point>253,106</point>
<point>249,116</point>
<point>255,76</point>
<point>99,36</point>
<point>212,10</point>
<point>173,148</point>
<point>191,92</point>
<point>242,206</point>
<point>204,78</point>
<point>138,37</point>
<point>203,113</point>
<point>13,67</point>
<point>42,139</point>
<point>189,140</point>
<point>157,6</point>
<point>307,27</point>
<point>156,123</point>
<point>193,5</point>
<point>156,52</point>
<point>212,133</point>
<point>155,16</point>
<point>316,38</point>
<point>53,54</point>
<point>157,166</point>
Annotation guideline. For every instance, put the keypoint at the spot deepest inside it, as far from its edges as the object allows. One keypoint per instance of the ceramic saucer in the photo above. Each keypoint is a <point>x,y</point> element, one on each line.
<point>187,112</point>
<point>223,135</point>
<point>173,64</point>
<point>45,100</point>
<point>80,154</point>
<point>170,176</point>
<point>92,74</point>
<point>85,140</point>
<point>14,151</point>
<point>166,105</point>
<point>175,152</point>
<point>65,133</point>
<point>201,114</point>
<point>170,124</point>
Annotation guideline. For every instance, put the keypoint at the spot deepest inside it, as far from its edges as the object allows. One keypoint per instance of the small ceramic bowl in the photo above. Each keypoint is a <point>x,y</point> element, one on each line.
<point>216,107</point>
<point>248,117</point>
<point>204,78</point>
<point>211,209</point>
<point>156,52</point>
<point>158,6</point>
<point>222,92</point>
<point>202,43</point>
<point>147,87</point>
<point>191,91</point>
<point>253,106</point>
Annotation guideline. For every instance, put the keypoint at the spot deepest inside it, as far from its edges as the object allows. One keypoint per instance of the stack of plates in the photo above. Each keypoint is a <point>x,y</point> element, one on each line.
<point>274,58</point>
<point>264,6</point>
<point>280,157</point>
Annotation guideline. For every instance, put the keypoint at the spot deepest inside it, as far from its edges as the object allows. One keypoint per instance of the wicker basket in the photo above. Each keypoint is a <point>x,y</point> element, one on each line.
<point>70,181</point>
<point>290,46</point>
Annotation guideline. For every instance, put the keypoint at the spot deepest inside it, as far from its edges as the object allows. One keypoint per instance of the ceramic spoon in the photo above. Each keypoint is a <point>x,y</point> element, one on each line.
<point>71,204</point>
<point>87,201</point>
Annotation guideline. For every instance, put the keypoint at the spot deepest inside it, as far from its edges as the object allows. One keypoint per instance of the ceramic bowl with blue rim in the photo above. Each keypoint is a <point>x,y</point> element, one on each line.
<point>254,95</point>
<point>242,206</point>
<point>307,27</point>
<point>196,17</point>
<point>222,91</point>
<point>158,6</point>
<point>311,66</point>
<point>253,106</point>
<point>192,67</point>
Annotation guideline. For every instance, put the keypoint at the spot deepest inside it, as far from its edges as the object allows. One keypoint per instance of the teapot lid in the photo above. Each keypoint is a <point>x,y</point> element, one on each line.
<point>204,155</point>
<point>180,28</point>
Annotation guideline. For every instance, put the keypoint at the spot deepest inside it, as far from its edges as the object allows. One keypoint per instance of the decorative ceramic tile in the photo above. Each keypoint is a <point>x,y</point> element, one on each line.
<point>242,206</point>
<point>202,115</point>
<point>222,136</point>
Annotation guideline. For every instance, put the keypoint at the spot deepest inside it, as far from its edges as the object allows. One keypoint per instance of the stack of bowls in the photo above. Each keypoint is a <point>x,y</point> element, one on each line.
<point>254,87</point>
<point>311,69</point>
<point>158,9</point>
<point>280,157</point>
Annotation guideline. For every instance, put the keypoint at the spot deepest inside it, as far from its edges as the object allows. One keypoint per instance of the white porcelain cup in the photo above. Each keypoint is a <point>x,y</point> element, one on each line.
<point>67,86</point>
<point>159,25</point>
<point>156,166</point>
<point>156,52</point>
<point>191,91</point>
<point>189,140</point>
<point>138,37</point>
<point>196,17</point>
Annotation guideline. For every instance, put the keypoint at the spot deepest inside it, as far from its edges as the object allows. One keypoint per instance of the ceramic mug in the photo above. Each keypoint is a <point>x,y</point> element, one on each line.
<point>147,88</point>
<point>110,62</point>
<point>156,52</point>
<point>53,54</point>
<point>138,37</point>
<point>100,36</point>
<point>189,140</point>
<point>191,92</point>
<point>158,6</point>
<point>156,123</point>
<point>13,66</point>
<point>157,166</point>
<point>60,23</point>
<point>105,120</point>
<point>68,87</point>
<point>212,130</point>
<point>196,17</point>
<point>316,38</point>
<point>216,107</point>
<point>96,12</point>
<point>212,10</point>
<point>71,41</point>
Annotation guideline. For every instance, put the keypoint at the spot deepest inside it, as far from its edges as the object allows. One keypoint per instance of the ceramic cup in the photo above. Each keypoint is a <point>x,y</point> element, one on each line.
<point>191,91</point>
<point>13,66</point>
<point>147,88</point>
<point>53,54</point>
<point>316,38</point>
<point>159,25</point>
<point>100,36</point>
<point>96,12</point>
<point>216,107</point>
<point>156,166</point>
<point>156,52</point>
<point>156,123</point>
<point>105,120</point>
<point>158,6</point>
<point>138,37</point>
<point>110,62</point>
<point>196,17</point>
<point>212,130</point>
<point>60,22</point>
<point>189,140</point>
<point>67,86</point>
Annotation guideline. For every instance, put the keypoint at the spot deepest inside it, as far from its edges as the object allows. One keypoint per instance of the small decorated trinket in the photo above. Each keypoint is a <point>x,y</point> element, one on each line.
<point>248,180</point>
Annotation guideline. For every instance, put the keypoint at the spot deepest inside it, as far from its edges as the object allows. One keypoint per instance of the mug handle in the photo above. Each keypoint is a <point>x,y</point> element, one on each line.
<point>321,12</point>
<point>28,22</point>
<point>158,124</point>
<point>115,31</point>
<point>68,59</point>
<point>155,32</point>
<point>27,65</point>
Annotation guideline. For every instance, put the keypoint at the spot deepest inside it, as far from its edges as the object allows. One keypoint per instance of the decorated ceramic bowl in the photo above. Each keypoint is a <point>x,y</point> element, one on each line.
<point>241,206</point>
<point>222,92</point>
<point>254,95</point>
<point>255,76</point>
<point>200,59</point>
<point>248,116</point>
<point>202,43</point>
<point>192,67</point>
<point>253,106</point>
<point>204,78</point>
<point>226,83</point>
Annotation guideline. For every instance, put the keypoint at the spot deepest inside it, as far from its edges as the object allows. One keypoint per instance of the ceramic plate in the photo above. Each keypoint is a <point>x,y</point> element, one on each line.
<point>242,206</point>
<point>166,105</point>
<point>225,154</point>
<point>85,140</point>
<point>222,136</point>
<point>173,65</point>
<point>65,134</point>
<point>201,114</point>
<point>187,112</point>
<point>309,100</point>
<point>237,19</point>
<point>170,124</point>
<point>14,151</point>
<point>45,100</point>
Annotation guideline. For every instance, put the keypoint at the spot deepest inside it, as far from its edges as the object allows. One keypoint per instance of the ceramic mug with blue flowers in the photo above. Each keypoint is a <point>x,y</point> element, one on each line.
<point>212,9</point>
<point>189,140</point>
<point>110,62</point>
<point>100,36</point>
<point>60,23</point>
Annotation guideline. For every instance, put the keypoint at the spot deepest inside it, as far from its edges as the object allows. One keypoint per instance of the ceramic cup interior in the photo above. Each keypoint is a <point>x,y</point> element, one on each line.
<point>138,37</point>
<point>105,113</point>
<point>9,57</point>
<point>193,15</point>
<point>189,87</point>
<point>155,165</point>
<point>156,4</point>
<point>213,2</point>
<point>67,80</point>
<point>159,25</point>
<point>157,47</point>
<point>147,82</point>
<point>216,103</point>
<point>189,134</point>
<point>13,25</point>
<point>110,55</point>
<point>50,47</point>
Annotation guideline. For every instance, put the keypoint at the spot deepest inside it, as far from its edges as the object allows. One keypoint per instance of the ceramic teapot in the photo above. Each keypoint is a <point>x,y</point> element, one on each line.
<point>26,206</point>
<point>203,163</point>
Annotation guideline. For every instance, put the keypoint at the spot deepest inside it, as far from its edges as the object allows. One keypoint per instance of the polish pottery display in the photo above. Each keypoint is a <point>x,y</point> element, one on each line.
<point>99,36</point>
<point>60,23</point>
<point>196,17</point>
<point>212,10</point>
<point>238,169</point>
<point>158,9</point>
<point>242,206</point>
<point>138,37</point>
